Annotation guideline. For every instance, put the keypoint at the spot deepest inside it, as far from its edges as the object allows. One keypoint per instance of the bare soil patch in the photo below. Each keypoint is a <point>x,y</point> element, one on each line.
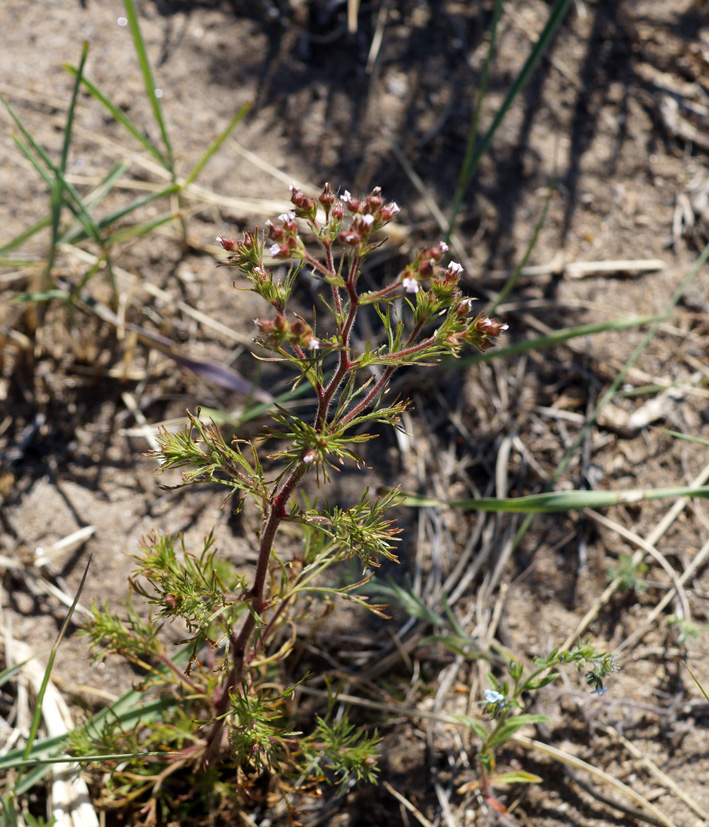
<point>617,113</point>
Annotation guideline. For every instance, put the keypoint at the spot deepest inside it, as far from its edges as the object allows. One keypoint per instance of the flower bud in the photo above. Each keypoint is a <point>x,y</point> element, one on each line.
<point>290,225</point>
<point>326,197</point>
<point>388,211</point>
<point>349,237</point>
<point>482,330</point>
<point>375,200</point>
<point>227,243</point>
<point>338,212</point>
<point>279,250</point>
<point>489,327</point>
<point>363,224</point>
<point>275,233</point>
<point>352,204</point>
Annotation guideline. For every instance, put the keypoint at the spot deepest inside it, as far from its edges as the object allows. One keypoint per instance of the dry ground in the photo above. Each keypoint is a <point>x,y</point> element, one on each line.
<point>618,111</point>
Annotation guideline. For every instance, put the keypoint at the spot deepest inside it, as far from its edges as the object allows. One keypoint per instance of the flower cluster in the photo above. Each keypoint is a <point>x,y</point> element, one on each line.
<point>429,285</point>
<point>298,334</point>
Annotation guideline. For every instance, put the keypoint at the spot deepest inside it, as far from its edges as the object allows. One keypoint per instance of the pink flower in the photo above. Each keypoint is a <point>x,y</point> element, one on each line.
<point>388,211</point>
<point>352,203</point>
<point>279,250</point>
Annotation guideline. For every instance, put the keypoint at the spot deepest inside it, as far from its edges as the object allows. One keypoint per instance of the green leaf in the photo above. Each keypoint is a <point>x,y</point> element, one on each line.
<point>477,726</point>
<point>132,14</point>
<point>217,142</point>
<point>512,725</point>
<point>34,726</point>
<point>559,501</point>
<point>120,117</point>
<point>519,777</point>
<point>538,683</point>
<point>556,338</point>
<point>556,16</point>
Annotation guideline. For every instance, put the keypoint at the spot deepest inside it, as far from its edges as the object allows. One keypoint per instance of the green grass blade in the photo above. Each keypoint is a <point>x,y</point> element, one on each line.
<point>11,671</point>
<point>556,16</point>
<point>72,108</point>
<point>694,678</point>
<point>89,759</point>
<point>465,171</point>
<point>26,150</point>
<point>78,206</point>
<point>687,437</point>
<point>137,230</point>
<point>559,501</point>
<point>50,663</point>
<point>556,338</point>
<point>9,813</point>
<point>217,142</point>
<point>117,215</point>
<point>57,197</point>
<point>120,117</point>
<point>20,239</point>
<point>139,43</point>
<point>74,230</point>
<point>512,281</point>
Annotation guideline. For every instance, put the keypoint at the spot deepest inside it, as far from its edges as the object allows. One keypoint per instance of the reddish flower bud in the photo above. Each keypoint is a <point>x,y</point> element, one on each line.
<point>363,224</point>
<point>352,204</point>
<point>227,243</point>
<point>489,327</point>
<point>350,238</point>
<point>375,200</point>
<point>388,211</point>
<point>279,250</point>
<point>326,197</point>
<point>338,212</point>
<point>275,233</point>
<point>290,225</point>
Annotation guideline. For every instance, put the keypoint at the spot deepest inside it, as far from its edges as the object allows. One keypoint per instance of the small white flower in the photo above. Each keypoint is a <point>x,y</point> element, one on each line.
<point>454,268</point>
<point>309,458</point>
<point>314,344</point>
<point>286,217</point>
<point>466,305</point>
<point>443,247</point>
<point>274,249</point>
<point>410,285</point>
<point>293,187</point>
<point>368,220</point>
<point>346,196</point>
<point>394,208</point>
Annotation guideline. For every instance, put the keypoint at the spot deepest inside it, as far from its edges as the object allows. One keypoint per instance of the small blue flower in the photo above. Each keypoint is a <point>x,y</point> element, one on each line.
<point>492,696</point>
<point>600,691</point>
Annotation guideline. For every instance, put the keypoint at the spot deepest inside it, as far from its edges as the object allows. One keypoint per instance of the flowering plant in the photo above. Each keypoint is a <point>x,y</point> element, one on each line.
<point>502,703</point>
<point>236,624</point>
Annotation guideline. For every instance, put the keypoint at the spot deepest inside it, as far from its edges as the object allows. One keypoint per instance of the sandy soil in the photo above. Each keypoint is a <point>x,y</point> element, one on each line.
<point>616,113</point>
